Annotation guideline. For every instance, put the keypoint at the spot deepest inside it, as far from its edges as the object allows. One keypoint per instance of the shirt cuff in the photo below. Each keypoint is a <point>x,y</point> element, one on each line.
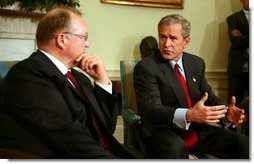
<point>108,88</point>
<point>180,119</point>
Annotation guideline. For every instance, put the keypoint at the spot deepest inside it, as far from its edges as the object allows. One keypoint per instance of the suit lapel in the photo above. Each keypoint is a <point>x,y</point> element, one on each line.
<point>192,79</point>
<point>244,22</point>
<point>174,83</point>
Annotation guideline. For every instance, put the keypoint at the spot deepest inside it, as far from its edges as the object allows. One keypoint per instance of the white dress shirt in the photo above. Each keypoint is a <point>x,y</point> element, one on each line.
<point>180,113</point>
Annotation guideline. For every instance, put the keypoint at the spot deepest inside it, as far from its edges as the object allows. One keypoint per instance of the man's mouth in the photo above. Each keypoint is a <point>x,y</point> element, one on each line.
<point>167,51</point>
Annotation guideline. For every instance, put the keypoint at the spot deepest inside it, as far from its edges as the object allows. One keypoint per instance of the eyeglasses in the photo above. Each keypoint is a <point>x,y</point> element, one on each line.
<point>83,37</point>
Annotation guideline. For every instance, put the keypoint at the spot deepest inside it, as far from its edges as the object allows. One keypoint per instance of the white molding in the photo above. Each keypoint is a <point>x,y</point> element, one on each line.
<point>114,75</point>
<point>219,82</point>
<point>216,78</point>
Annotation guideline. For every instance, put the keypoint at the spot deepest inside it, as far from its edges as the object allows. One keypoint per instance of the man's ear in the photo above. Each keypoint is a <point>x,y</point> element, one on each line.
<point>60,41</point>
<point>187,42</point>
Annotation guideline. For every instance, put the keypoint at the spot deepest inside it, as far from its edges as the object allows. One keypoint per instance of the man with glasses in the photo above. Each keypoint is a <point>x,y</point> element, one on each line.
<point>51,115</point>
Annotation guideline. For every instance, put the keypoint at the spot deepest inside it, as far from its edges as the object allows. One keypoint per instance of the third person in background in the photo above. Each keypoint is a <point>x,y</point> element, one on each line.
<point>238,57</point>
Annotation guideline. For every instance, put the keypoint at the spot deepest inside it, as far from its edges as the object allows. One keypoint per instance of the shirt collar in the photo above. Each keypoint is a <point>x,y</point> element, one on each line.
<point>179,62</point>
<point>246,13</point>
<point>57,63</point>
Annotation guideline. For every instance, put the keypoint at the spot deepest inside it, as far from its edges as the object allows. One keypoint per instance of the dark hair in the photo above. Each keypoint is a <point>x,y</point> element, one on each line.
<point>57,19</point>
<point>147,46</point>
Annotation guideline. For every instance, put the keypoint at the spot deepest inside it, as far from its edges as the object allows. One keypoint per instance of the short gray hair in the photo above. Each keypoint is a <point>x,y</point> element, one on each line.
<point>176,19</point>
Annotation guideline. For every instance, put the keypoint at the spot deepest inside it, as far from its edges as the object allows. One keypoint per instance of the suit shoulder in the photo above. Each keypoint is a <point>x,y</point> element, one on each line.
<point>32,62</point>
<point>149,64</point>
<point>234,15</point>
<point>146,60</point>
<point>192,57</point>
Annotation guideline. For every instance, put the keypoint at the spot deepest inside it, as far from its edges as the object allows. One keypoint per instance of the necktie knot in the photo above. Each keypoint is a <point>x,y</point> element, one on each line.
<point>68,74</point>
<point>176,66</point>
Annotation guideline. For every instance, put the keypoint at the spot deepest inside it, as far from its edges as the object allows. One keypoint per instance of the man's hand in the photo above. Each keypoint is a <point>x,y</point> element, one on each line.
<point>93,66</point>
<point>205,114</point>
<point>236,32</point>
<point>234,114</point>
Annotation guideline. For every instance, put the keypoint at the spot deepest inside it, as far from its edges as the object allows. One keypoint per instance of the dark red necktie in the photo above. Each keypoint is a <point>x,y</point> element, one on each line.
<point>74,81</point>
<point>102,139</point>
<point>190,138</point>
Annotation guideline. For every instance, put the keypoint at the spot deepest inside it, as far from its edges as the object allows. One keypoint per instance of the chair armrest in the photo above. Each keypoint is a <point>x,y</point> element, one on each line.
<point>130,117</point>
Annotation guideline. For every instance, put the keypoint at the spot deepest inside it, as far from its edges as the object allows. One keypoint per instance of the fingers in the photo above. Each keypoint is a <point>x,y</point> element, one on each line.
<point>80,58</point>
<point>235,124</point>
<point>236,32</point>
<point>240,110</point>
<point>233,101</point>
<point>204,98</point>
<point>87,62</point>
<point>218,108</point>
<point>238,117</point>
<point>94,67</point>
<point>219,111</point>
<point>213,114</point>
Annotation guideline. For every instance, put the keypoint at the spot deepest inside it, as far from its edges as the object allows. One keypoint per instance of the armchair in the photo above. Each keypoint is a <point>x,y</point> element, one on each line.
<point>5,67</point>
<point>131,120</point>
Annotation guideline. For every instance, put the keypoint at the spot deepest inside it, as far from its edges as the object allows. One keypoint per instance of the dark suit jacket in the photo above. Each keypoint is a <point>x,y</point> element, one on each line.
<point>41,113</point>
<point>238,50</point>
<point>159,92</point>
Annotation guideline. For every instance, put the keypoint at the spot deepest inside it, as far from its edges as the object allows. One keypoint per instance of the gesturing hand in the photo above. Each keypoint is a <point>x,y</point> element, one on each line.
<point>205,114</point>
<point>234,114</point>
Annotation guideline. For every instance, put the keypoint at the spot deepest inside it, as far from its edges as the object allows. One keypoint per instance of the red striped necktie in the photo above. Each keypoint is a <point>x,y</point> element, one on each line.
<point>102,139</point>
<point>190,138</point>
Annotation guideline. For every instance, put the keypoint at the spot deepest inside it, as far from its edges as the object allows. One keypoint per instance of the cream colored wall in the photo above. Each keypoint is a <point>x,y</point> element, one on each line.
<point>116,30</point>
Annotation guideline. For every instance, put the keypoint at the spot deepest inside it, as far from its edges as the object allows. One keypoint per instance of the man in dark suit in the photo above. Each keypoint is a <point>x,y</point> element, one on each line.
<point>178,119</point>
<point>41,110</point>
<point>238,57</point>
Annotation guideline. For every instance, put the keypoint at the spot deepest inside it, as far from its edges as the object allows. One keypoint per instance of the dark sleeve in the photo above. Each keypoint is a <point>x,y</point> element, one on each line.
<point>108,103</point>
<point>148,96</point>
<point>51,113</point>
<point>233,22</point>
